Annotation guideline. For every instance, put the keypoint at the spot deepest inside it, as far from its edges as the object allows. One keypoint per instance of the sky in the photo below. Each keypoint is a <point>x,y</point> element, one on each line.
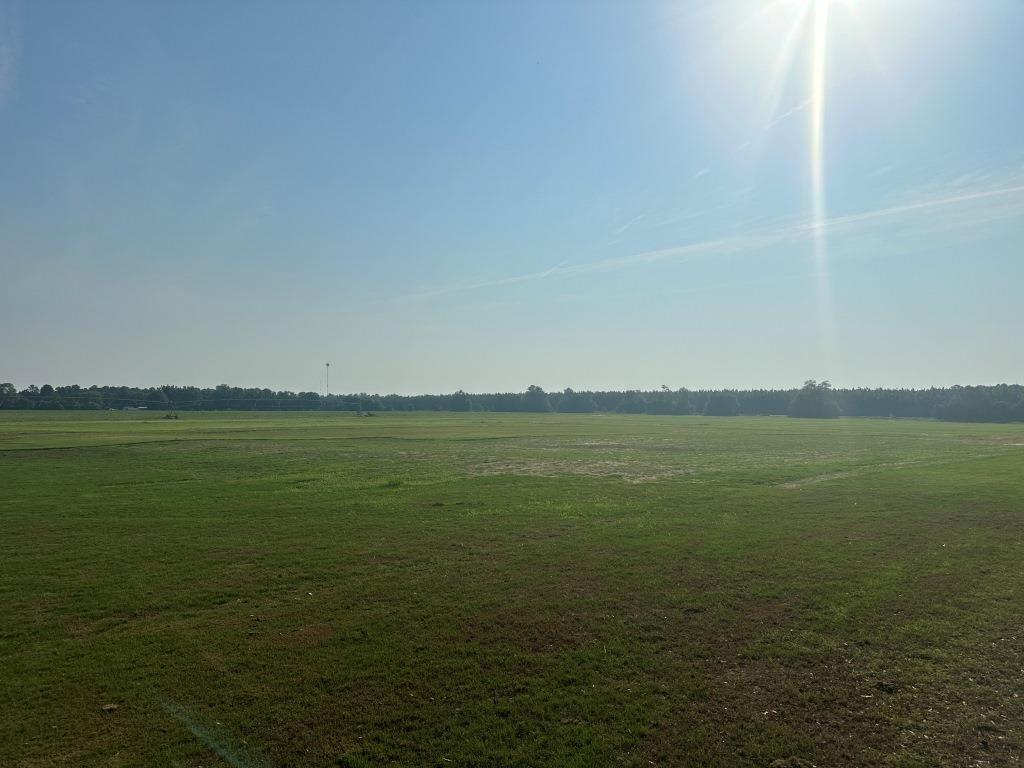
<point>486,195</point>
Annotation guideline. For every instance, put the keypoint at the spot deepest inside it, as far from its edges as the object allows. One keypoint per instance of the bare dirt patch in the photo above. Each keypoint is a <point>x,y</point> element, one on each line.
<point>306,636</point>
<point>629,472</point>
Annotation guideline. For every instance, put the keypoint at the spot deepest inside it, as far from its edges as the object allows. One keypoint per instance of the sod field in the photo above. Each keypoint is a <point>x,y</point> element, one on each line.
<point>253,589</point>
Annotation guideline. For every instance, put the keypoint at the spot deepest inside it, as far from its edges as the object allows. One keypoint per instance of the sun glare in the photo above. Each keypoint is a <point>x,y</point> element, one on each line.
<point>800,31</point>
<point>819,213</point>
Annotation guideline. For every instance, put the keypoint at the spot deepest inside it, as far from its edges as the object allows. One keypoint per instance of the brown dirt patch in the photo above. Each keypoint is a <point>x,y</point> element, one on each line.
<point>628,472</point>
<point>306,636</point>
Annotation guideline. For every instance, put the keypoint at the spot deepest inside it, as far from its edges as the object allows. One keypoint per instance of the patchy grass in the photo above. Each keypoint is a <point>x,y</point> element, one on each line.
<point>492,590</point>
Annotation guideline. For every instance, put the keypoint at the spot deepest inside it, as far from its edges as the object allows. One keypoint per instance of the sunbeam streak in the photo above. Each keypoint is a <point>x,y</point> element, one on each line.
<point>772,96</point>
<point>818,63</point>
<point>819,211</point>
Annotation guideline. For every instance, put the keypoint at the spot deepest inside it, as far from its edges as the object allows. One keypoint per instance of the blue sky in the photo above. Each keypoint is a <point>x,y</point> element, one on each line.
<point>484,195</point>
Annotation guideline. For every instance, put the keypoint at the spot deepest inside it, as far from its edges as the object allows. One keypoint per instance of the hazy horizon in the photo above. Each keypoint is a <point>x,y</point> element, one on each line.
<point>486,196</point>
<point>554,388</point>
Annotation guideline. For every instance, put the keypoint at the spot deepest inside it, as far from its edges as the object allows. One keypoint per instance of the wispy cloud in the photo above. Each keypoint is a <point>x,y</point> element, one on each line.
<point>701,173</point>
<point>623,227</point>
<point>781,117</point>
<point>1011,190</point>
<point>955,200</point>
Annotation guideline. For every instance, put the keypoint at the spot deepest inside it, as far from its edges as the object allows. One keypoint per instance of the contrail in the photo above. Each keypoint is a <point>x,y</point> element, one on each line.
<point>737,243</point>
<point>940,202</point>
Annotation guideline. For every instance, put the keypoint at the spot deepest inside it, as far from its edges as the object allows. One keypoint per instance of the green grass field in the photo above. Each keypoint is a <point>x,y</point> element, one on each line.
<point>509,590</point>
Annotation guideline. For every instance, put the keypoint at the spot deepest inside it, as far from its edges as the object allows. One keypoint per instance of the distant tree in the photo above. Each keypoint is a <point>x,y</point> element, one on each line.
<point>1017,412</point>
<point>633,402</point>
<point>309,401</point>
<point>222,397</point>
<point>536,400</point>
<point>722,404</point>
<point>998,403</point>
<point>48,399</point>
<point>576,402</point>
<point>683,404</point>
<point>370,402</point>
<point>507,402</point>
<point>10,399</point>
<point>815,401</point>
<point>460,401</point>
<point>953,409</point>
<point>157,400</point>
<point>92,402</point>
<point>662,402</point>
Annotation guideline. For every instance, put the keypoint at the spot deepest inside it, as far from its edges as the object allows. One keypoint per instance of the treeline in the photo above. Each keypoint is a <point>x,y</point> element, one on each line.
<point>1002,403</point>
